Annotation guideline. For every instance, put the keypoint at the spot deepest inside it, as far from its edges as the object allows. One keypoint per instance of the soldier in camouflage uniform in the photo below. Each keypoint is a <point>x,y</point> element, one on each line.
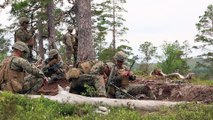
<point>70,41</point>
<point>90,73</point>
<point>121,78</point>
<point>17,74</point>
<point>53,67</point>
<point>22,34</point>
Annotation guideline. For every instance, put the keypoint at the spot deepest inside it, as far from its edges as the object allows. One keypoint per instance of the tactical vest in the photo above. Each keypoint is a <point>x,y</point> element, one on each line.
<point>12,80</point>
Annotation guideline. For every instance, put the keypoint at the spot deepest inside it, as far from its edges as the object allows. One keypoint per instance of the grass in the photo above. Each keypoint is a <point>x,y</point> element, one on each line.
<point>197,81</point>
<point>16,107</point>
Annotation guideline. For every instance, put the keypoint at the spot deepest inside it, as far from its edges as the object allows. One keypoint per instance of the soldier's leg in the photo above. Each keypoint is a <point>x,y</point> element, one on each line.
<point>140,89</point>
<point>100,86</point>
<point>68,55</point>
<point>120,95</point>
<point>32,84</point>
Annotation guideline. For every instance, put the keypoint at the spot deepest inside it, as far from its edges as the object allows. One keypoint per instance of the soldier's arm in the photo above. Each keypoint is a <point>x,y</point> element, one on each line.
<point>29,68</point>
<point>52,62</point>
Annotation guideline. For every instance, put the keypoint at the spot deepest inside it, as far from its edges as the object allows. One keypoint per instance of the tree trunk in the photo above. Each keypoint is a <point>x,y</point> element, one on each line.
<point>40,38</point>
<point>147,105</point>
<point>51,25</point>
<point>86,50</point>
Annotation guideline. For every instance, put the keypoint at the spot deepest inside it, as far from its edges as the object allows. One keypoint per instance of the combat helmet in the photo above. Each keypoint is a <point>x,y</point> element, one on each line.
<point>52,53</point>
<point>22,20</point>
<point>21,46</point>
<point>120,56</point>
<point>70,28</point>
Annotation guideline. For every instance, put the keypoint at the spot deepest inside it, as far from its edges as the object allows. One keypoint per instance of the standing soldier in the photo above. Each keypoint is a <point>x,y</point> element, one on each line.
<point>22,34</point>
<point>17,74</point>
<point>69,41</point>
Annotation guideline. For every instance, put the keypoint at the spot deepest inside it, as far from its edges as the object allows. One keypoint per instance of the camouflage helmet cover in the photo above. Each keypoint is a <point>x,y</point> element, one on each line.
<point>23,19</point>
<point>120,55</point>
<point>52,53</point>
<point>70,28</point>
<point>21,46</point>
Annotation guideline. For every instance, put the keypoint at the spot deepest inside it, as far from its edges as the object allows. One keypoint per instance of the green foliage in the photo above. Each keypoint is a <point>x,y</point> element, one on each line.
<point>106,54</point>
<point>148,51</point>
<point>198,81</point>
<point>17,107</point>
<point>108,17</point>
<point>204,36</point>
<point>190,111</point>
<point>172,59</point>
<point>4,44</point>
<point>90,91</point>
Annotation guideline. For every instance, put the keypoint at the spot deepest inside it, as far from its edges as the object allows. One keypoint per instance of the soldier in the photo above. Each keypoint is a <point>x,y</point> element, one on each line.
<point>22,34</point>
<point>69,41</point>
<point>53,67</point>
<point>90,73</point>
<point>14,69</point>
<point>121,77</point>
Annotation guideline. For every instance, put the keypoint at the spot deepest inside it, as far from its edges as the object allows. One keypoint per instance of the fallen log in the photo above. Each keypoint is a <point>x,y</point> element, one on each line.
<point>146,105</point>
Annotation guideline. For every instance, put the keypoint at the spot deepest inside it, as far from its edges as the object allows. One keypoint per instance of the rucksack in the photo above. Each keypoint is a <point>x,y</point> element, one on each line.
<point>3,66</point>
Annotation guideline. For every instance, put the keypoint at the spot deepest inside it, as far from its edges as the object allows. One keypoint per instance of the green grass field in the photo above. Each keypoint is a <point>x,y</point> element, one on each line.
<point>17,107</point>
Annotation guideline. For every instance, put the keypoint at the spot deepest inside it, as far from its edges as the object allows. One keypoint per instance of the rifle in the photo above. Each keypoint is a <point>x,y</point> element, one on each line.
<point>134,59</point>
<point>111,75</point>
<point>124,92</point>
<point>54,65</point>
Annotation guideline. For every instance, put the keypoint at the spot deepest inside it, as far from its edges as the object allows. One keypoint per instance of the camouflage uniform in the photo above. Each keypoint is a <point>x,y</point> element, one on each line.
<point>69,41</point>
<point>122,81</point>
<point>92,75</point>
<point>15,70</point>
<point>22,34</point>
<point>53,67</point>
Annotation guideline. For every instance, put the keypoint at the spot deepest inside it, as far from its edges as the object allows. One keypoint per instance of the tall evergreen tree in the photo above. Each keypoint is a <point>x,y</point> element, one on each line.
<point>205,38</point>
<point>108,19</point>
<point>205,32</point>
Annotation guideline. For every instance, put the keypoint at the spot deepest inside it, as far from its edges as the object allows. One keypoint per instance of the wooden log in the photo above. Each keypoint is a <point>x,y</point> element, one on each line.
<point>146,105</point>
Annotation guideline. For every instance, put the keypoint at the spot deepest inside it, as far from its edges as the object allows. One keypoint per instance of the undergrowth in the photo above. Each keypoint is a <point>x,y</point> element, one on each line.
<point>17,107</point>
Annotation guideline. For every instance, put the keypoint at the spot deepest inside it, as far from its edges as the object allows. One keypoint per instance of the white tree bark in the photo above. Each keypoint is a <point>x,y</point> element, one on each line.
<point>147,105</point>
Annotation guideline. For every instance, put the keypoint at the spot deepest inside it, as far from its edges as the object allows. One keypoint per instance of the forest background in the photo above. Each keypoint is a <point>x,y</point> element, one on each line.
<point>103,26</point>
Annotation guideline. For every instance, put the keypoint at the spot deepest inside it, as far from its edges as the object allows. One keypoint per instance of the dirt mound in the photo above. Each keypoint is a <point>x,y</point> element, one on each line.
<point>178,90</point>
<point>52,88</point>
